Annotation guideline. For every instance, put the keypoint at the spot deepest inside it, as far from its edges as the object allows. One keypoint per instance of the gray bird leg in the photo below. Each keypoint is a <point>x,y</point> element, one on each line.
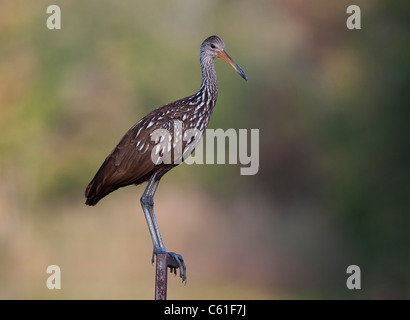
<point>145,207</point>
<point>150,195</point>
<point>175,261</point>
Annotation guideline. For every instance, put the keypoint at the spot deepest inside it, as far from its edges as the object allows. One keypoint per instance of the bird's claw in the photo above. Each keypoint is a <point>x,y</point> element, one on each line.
<point>176,261</point>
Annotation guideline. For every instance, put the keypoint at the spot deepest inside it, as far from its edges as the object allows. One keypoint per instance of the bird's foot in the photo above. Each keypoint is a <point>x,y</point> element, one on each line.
<point>175,261</point>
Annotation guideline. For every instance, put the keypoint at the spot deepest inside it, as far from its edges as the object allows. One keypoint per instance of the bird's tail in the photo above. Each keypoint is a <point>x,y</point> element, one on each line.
<point>91,194</point>
<point>98,188</point>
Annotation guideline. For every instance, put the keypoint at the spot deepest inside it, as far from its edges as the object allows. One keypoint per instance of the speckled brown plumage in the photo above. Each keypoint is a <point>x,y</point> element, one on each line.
<point>130,162</point>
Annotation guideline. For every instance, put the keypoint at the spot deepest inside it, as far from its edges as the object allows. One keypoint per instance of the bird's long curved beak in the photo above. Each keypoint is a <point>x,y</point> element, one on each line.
<point>227,58</point>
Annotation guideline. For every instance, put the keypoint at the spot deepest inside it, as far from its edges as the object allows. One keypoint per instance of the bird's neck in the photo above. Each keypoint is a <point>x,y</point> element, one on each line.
<point>209,85</point>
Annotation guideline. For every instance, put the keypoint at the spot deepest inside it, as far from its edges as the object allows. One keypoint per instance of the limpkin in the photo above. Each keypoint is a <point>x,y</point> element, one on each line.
<point>131,162</point>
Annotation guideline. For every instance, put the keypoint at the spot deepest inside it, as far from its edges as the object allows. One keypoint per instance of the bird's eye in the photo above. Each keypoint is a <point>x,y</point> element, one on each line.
<point>212,46</point>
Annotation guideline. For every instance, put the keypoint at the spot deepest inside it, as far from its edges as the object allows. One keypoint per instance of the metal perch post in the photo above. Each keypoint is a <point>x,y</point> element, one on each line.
<point>161,276</point>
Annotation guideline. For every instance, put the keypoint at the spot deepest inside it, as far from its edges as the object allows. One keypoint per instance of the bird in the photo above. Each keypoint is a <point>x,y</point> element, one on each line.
<point>131,162</point>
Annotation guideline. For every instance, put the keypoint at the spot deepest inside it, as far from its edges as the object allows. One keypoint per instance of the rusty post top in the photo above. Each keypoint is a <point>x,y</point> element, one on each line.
<point>161,277</point>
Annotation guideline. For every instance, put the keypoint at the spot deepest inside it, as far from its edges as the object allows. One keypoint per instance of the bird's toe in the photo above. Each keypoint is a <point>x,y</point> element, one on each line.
<point>176,261</point>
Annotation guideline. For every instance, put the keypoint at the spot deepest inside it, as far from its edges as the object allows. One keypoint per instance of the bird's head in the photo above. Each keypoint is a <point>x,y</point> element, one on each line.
<point>214,47</point>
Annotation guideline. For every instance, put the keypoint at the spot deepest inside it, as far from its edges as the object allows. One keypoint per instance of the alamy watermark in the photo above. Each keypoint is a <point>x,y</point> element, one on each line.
<point>54,280</point>
<point>177,147</point>
<point>54,19</point>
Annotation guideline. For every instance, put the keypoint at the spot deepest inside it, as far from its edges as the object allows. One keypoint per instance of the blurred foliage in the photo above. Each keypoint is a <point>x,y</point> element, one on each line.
<point>332,107</point>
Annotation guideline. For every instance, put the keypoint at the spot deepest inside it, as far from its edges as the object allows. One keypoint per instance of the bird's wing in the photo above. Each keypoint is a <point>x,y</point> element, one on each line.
<point>130,162</point>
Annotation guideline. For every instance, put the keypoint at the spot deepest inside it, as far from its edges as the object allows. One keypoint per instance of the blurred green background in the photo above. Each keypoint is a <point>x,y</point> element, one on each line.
<point>332,107</point>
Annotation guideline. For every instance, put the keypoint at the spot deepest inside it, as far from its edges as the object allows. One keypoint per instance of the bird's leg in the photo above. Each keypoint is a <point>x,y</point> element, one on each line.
<point>175,260</point>
<point>150,197</point>
<point>145,199</point>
